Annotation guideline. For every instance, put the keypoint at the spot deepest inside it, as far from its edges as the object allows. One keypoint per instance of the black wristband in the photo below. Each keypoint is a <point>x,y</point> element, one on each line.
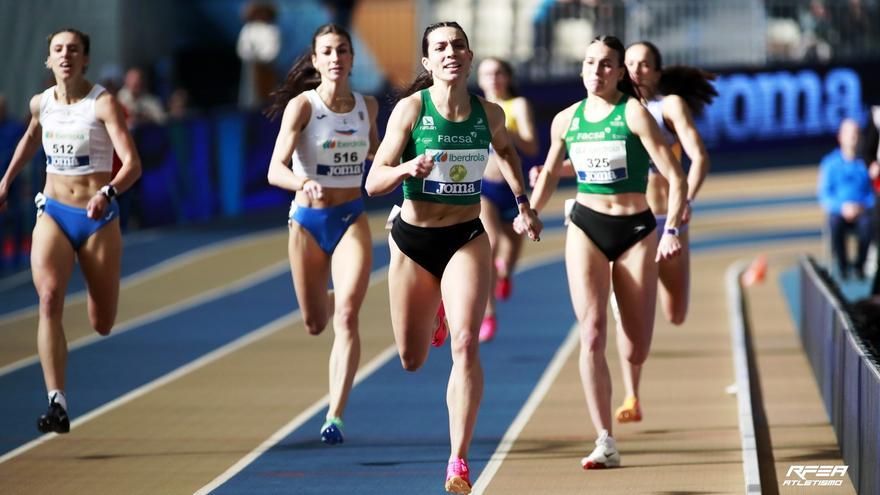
<point>108,191</point>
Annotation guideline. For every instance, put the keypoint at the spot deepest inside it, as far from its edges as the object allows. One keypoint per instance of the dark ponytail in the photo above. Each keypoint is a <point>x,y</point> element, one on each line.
<point>693,85</point>
<point>302,76</point>
<point>425,79</point>
<point>625,85</point>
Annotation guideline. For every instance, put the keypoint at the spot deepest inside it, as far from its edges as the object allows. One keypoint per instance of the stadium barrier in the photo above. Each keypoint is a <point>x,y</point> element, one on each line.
<point>847,375</point>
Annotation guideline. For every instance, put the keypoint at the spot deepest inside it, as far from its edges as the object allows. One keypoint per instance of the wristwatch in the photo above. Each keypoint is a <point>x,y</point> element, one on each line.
<point>671,231</point>
<point>108,191</point>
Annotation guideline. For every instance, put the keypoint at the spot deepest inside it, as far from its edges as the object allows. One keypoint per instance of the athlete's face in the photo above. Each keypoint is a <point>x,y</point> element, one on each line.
<point>492,78</point>
<point>449,58</point>
<point>602,69</point>
<point>67,56</point>
<point>333,57</point>
<point>642,68</point>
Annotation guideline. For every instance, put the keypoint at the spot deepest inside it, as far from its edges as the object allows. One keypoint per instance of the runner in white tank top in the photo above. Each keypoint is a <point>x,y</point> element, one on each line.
<point>79,125</point>
<point>328,131</point>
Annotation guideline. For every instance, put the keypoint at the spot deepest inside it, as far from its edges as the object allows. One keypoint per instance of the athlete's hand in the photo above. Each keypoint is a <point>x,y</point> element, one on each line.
<point>313,190</point>
<point>420,166</point>
<point>686,214</point>
<point>528,222</point>
<point>670,247</point>
<point>534,173</point>
<point>97,206</point>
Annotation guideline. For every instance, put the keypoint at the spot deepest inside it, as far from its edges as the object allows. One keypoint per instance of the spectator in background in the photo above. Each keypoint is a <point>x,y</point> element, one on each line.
<point>871,153</point>
<point>846,195</point>
<point>141,106</point>
<point>258,45</point>
<point>13,228</point>
<point>178,104</point>
<point>818,34</point>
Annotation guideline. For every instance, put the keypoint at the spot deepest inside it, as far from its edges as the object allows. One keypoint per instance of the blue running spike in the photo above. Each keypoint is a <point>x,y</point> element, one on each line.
<point>331,432</point>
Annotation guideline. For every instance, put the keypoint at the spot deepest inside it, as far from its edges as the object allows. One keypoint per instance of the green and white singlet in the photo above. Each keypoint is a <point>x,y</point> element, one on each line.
<point>608,157</point>
<point>460,151</point>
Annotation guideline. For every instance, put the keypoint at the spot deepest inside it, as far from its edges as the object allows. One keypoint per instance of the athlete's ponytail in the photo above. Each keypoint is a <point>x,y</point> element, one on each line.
<point>425,79</point>
<point>302,76</point>
<point>693,85</point>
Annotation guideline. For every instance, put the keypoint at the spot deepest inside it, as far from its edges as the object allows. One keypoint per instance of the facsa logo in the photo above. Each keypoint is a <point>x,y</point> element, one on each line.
<point>443,138</point>
<point>804,475</point>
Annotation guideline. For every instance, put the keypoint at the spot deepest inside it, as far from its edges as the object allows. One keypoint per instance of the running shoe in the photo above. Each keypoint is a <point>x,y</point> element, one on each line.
<point>442,330</point>
<point>605,455</point>
<point>458,477</point>
<point>55,419</point>
<point>503,288</point>
<point>488,328</point>
<point>331,432</point>
<point>629,412</point>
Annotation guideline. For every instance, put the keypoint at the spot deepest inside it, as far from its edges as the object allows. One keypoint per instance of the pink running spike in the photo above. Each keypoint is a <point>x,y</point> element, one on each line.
<point>488,328</point>
<point>458,477</point>
<point>442,330</point>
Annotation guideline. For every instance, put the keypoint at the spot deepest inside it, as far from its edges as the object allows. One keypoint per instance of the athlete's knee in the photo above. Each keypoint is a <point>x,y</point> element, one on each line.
<point>676,313</point>
<point>464,346</point>
<point>637,355</point>
<point>412,361</point>
<point>315,323</point>
<point>103,327</point>
<point>51,300</point>
<point>345,320</point>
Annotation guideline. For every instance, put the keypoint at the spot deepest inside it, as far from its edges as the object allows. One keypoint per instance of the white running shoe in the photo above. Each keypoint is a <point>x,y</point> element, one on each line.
<point>605,455</point>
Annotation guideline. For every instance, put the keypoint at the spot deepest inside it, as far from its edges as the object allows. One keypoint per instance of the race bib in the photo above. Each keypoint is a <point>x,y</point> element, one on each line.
<point>599,162</point>
<point>342,156</point>
<point>67,149</point>
<point>456,172</point>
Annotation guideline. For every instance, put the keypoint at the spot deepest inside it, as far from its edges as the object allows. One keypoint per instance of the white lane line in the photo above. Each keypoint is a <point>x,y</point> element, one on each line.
<point>235,345</point>
<point>375,363</point>
<point>157,270</point>
<point>738,328</point>
<point>528,410</point>
<point>255,278</point>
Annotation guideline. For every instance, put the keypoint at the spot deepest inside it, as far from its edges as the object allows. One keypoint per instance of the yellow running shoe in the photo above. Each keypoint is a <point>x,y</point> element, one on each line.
<point>629,412</point>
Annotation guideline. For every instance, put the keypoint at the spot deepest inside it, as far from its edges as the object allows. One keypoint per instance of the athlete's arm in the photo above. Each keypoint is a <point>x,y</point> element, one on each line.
<point>511,168</point>
<point>548,178</point>
<point>24,151</point>
<point>677,113</point>
<point>643,125</point>
<point>387,172</point>
<point>109,111</point>
<point>525,139</point>
<point>296,116</point>
<point>373,111</point>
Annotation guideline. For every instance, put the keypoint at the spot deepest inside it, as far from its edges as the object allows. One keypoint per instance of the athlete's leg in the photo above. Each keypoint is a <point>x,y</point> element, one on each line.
<point>492,223</point>
<point>351,264</point>
<point>52,259</point>
<point>100,258</point>
<point>634,275</point>
<point>589,283</point>
<point>415,298</point>
<point>675,283</point>
<point>465,288</point>
<point>310,268</point>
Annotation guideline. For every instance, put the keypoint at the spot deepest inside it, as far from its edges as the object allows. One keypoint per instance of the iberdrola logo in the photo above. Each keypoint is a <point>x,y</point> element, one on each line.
<point>441,156</point>
<point>329,144</point>
<point>458,172</point>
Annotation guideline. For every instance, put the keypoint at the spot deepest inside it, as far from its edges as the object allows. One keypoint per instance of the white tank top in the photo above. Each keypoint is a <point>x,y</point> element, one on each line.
<point>75,141</point>
<point>333,146</point>
<point>655,106</point>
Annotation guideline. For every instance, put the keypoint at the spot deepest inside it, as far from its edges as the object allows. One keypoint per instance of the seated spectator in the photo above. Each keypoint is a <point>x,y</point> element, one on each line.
<point>259,43</point>
<point>142,106</point>
<point>871,152</point>
<point>846,195</point>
